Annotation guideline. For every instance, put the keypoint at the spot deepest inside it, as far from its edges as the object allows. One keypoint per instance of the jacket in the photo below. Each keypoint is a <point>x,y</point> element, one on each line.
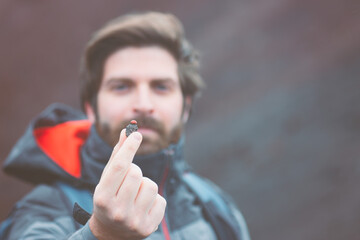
<point>61,146</point>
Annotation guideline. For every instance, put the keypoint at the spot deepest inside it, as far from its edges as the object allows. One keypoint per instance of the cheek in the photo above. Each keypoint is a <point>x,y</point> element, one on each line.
<point>109,111</point>
<point>172,112</point>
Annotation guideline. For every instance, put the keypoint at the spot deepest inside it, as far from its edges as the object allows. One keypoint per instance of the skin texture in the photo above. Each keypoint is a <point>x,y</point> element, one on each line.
<point>138,83</point>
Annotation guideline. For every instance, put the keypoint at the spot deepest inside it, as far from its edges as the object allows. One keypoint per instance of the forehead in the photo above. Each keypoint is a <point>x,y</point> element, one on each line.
<point>141,63</point>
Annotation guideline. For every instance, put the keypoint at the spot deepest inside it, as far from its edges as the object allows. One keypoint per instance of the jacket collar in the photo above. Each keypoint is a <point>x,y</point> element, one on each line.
<point>96,152</point>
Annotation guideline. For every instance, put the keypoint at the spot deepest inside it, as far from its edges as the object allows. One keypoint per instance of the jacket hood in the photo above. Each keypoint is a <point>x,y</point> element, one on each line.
<point>50,147</point>
<point>62,145</point>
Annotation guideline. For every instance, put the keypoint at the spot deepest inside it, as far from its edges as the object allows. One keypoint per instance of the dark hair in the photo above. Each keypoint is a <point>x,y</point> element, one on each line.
<point>141,29</point>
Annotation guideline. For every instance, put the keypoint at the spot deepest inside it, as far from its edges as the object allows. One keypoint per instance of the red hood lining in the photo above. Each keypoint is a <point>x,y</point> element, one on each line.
<point>62,144</point>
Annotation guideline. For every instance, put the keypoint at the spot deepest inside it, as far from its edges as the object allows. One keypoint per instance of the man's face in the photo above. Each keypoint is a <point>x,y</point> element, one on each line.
<point>140,83</point>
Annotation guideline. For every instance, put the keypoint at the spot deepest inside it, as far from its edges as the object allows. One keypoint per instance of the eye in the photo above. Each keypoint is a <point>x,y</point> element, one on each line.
<point>120,87</point>
<point>161,87</point>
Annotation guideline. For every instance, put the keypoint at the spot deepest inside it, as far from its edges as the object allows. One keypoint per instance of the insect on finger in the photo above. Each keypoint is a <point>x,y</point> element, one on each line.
<point>132,127</point>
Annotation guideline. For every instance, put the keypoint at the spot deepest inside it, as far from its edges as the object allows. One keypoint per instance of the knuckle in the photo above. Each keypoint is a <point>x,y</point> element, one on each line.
<point>132,147</point>
<point>150,185</point>
<point>100,201</point>
<point>162,200</point>
<point>119,216</point>
<point>119,166</point>
<point>148,229</point>
<point>134,224</point>
<point>134,172</point>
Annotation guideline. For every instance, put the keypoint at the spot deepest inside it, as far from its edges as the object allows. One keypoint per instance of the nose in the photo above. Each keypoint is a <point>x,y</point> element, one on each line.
<point>143,102</point>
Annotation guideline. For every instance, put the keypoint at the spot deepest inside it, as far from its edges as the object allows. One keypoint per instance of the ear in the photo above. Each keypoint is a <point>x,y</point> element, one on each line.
<point>90,113</point>
<point>187,109</point>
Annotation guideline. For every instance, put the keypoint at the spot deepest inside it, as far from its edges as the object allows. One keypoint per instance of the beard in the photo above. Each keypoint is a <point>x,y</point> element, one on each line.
<point>148,145</point>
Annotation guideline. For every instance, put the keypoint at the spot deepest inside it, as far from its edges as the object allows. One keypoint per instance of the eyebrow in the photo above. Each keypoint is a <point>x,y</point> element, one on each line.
<point>117,79</point>
<point>130,80</point>
<point>164,80</point>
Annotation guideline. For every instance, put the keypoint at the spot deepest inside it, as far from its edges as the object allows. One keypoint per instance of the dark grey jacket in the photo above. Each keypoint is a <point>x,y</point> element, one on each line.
<point>61,146</point>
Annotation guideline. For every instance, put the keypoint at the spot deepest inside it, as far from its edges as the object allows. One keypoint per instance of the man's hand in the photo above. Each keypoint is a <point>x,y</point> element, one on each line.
<point>126,204</point>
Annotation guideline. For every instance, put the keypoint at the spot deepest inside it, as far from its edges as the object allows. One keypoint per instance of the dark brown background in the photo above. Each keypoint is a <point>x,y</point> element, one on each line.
<point>283,79</point>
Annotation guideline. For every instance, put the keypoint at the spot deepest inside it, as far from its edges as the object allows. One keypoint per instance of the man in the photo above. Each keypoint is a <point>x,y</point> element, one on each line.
<point>141,67</point>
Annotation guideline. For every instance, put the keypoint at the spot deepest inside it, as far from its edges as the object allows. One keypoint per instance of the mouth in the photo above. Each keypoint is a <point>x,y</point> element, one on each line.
<point>146,131</point>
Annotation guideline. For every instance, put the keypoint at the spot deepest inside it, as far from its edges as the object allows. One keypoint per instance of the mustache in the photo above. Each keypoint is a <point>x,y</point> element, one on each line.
<point>146,122</point>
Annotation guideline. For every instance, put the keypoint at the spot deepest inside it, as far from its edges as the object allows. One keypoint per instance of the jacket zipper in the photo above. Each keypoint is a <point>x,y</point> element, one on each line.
<point>164,224</point>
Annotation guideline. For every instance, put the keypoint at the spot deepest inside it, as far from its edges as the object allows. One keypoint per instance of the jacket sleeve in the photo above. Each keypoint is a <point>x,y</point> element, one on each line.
<point>237,215</point>
<point>244,232</point>
<point>45,214</point>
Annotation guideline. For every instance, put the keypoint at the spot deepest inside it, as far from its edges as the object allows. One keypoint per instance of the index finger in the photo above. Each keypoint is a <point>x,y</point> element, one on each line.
<point>118,166</point>
<point>116,149</point>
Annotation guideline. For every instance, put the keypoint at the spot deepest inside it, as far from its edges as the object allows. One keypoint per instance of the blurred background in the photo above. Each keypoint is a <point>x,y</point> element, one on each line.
<point>278,126</point>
